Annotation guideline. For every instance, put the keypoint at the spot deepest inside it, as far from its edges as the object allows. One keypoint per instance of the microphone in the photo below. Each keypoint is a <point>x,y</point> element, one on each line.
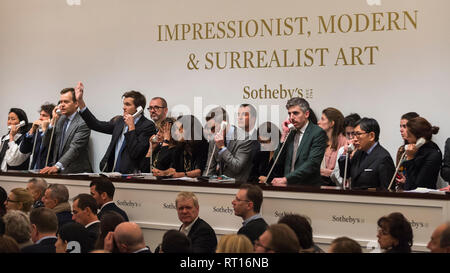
<point>419,143</point>
<point>223,126</point>
<point>21,124</point>
<point>291,129</point>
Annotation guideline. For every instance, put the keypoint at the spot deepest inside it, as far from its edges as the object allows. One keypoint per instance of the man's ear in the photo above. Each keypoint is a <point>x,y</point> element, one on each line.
<point>104,195</point>
<point>372,136</point>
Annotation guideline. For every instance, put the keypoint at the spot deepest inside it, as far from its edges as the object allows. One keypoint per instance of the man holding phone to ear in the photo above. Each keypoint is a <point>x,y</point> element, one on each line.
<point>129,141</point>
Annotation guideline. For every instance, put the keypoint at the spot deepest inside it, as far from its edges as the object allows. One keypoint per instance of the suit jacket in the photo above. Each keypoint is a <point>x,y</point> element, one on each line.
<point>75,152</point>
<point>423,169</point>
<point>445,170</point>
<point>44,246</point>
<point>40,150</point>
<point>308,159</point>
<point>236,160</point>
<point>112,207</point>
<point>64,217</point>
<point>203,238</point>
<point>94,231</point>
<point>375,171</point>
<point>136,142</point>
<point>253,229</point>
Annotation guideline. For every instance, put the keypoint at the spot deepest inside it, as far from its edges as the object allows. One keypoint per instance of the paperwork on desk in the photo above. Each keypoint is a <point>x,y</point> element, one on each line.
<point>425,190</point>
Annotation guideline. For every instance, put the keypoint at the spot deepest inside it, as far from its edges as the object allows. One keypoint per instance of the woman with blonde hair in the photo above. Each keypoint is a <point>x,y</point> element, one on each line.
<point>19,199</point>
<point>234,243</point>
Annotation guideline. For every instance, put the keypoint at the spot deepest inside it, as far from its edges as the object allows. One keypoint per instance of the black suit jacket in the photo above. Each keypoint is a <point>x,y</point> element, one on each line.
<point>44,246</point>
<point>136,141</point>
<point>253,229</point>
<point>203,238</point>
<point>375,171</point>
<point>423,169</point>
<point>445,170</point>
<point>112,207</point>
<point>94,232</point>
<point>40,151</point>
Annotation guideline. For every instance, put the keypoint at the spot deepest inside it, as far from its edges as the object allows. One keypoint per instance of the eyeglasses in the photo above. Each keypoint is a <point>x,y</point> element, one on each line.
<point>239,200</point>
<point>156,108</point>
<point>257,243</point>
<point>358,134</point>
<point>12,201</point>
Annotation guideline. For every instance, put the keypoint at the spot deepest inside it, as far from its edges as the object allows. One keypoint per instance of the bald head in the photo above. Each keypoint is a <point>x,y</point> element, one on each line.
<point>128,237</point>
<point>434,244</point>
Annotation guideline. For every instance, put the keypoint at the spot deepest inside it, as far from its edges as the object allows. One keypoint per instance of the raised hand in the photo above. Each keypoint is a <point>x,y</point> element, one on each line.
<point>79,92</point>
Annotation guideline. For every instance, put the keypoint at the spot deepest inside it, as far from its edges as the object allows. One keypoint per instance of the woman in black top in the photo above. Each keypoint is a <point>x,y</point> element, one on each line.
<point>422,164</point>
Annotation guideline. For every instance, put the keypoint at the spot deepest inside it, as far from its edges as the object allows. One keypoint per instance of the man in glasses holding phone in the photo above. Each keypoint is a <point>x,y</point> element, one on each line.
<point>130,134</point>
<point>370,165</point>
<point>158,110</point>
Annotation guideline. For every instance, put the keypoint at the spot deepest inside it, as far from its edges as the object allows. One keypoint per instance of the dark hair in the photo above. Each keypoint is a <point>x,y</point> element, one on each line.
<point>138,98</point>
<point>409,115</point>
<point>102,185</point>
<point>45,220</point>
<point>399,228</point>
<point>297,101</point>
<point>254,194</point>
<point>283,240</point>
<point>22,116</point>
<point>369,125</point>
<point>164,102</point>
<point>48,108</point>
<point>175,241</point>
<point>86,201</point>
<point>108,222</point>
<point>312,116</point>
<point>218,114</point>
<point>302,228</point>
<point>351,120</point>
<point>3,197</point>
<point>420,127</point>
<point>252,108</point>
<point>336,116</point>
<point>71,90</point>
<point>346,245</point>
<point>193,135</point>
<point>75,232</point>
<point>8,245</point>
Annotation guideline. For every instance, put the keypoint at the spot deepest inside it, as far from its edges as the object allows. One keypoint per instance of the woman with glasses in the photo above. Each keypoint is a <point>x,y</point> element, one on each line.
<point>332,122</point>
<point>395,233</point>
<point>19,199</point>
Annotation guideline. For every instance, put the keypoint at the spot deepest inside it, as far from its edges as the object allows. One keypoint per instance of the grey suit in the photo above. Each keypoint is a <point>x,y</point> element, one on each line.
<point>236,160</point>
<point>74,156</point>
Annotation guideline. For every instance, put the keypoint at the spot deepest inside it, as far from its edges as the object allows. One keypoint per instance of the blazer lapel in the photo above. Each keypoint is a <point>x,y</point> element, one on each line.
<point>70,130</point>
<point>305,139</point>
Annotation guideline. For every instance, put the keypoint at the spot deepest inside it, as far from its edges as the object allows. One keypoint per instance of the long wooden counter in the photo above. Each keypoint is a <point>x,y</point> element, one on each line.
<point>333,212</point>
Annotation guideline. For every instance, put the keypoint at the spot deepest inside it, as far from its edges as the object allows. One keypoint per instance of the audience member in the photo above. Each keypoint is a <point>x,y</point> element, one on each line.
<point>73,238</point>
<point>395,234</point>
<point>8,245</point>
<point>158,110</point>
<point>44,225</point>
<point>247,205</point>
<point>129,140</point>
<point>18,227</point>
<point>302,227</point>
<point>435,240</point>
<point>37,186</point>
<point>85,213</point>
<point>70,140</point>
<point>234,243</point>
<point>108,222</point>
<point>175,241</point>
<point>103,192</point>
<point>10,156</point>
<point>370,165</point>
<point>56,197</point>
<point>278,238</point>
<point>349,128</point>
<point>33,138</point>
<point>232,152</point>
<point>332,122</point>
<point>422,165</point>
<point>304,149</point>
<point>128,238</point>
<point>3,198</point>
<point>345,245</point>
<point>201,234</point>
<point>19,199</point>
<point>445,240</point>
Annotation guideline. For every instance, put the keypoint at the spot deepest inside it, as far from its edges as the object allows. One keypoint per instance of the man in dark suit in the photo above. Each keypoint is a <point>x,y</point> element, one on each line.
<point>85,212</point>
<point>247,204</point>
<point>370,165</point>
<point>103,192</point>
<point>130,135</point>
<point>128,238</point>
<point>56,198</point>
<point>202,235</point>
<point>44,225</point>
<point>304,149</point>
<point>232,150</point>
<point>70,139</point>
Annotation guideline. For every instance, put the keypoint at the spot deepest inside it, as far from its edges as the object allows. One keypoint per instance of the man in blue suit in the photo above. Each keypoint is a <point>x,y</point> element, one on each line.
<point>44,225</point>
